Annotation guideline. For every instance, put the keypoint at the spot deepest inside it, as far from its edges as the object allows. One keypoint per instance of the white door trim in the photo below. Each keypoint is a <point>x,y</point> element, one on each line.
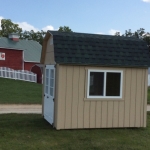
<point>49,93</point>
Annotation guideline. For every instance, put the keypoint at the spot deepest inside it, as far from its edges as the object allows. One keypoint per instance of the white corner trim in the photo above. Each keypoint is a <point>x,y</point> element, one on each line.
<point>32,61</point>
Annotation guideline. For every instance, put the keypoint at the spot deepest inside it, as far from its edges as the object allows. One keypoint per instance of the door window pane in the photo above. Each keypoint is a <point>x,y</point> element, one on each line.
<point>51,82</point>
<point>47,73</point>
<point>52,73</point>
<point>46,89</point>
<point>46,81</point>
<point>51,91</point>
<point>113,84</point>
<point>96,86</point>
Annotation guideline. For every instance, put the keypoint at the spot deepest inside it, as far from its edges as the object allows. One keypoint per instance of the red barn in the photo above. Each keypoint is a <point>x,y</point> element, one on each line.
<point>19,54</point>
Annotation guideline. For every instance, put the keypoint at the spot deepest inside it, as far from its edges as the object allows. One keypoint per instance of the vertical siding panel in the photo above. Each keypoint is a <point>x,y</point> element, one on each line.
<point>116,114</point>
<point>133,94</point>
<point>145,96</point>
<point>127,97</point>
<point>121,103</point>
<point>142,94</point>
<point>110,114</point>
<point>121,114</point>
<point>87,114</point>
<point>138,98</point>
<point>87,105</point>
<point>98,114</point>
<point>104,114</point>
<point>92,114</point>
<point>69,97</point>
<point>81,96</point>
<point>62,93</point>
<point>75,96</point>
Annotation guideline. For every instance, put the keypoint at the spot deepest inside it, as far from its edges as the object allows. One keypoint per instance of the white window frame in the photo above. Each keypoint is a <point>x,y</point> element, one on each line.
<point>105,71</point>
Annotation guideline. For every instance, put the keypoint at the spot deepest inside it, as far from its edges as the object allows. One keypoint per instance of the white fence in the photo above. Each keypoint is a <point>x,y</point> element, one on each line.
<point>18,74</point>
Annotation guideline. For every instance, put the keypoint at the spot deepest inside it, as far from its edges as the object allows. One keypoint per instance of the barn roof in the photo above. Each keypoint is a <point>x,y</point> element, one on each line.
<point>94,49</point>
<point>32,49</point>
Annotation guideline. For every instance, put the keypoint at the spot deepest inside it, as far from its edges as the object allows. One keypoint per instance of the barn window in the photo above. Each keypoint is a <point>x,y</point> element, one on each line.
<point>51,41</point>
<point>104,84</point>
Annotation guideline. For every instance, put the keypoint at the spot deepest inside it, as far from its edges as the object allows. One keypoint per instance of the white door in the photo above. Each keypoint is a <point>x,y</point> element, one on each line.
<point>49,93</point>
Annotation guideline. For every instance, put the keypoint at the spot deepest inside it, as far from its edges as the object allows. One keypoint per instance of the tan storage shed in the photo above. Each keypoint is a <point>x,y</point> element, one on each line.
<point>94,81</point>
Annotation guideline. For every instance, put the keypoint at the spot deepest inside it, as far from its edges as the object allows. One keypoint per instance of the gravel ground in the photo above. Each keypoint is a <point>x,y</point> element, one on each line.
<point>22,109</point>
<point>25,109</point>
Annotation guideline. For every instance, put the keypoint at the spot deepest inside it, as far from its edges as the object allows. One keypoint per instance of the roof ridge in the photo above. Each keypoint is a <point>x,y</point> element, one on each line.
<point>93,35</point>
<point>1,37</point>
<point>83,49</point>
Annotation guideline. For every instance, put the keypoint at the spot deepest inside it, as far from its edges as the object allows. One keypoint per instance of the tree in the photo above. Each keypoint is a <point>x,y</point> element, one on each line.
<point>146,37</point>
<point>128,33</point>
<point>117,34</point>
<point>36,36</point>
<point>140,34</point>
<point>9,27</point>
<point>64,29</point>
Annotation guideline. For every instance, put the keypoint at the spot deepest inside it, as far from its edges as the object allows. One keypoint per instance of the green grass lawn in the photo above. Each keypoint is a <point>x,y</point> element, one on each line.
<point>32,132</point>
<point>15,92</point>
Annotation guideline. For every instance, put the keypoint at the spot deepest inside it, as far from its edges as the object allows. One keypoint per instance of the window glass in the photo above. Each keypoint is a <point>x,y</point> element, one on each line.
<point>52,73</point>
<point>51,41</point>
<point>51,82</point>
<point>113,84</point>
<point>46,81</point>
<point>46,91</point>
<point>96,86</point>
<point>51,91</point>
<point>47,72</point>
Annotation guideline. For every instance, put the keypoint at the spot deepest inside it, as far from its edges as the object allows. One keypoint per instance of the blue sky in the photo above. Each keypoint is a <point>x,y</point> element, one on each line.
<point>88,16</point>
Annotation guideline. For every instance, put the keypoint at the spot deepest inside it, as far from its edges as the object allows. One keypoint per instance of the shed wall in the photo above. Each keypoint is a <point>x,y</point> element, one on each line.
<point>74,111</point>
<point>49,57</point>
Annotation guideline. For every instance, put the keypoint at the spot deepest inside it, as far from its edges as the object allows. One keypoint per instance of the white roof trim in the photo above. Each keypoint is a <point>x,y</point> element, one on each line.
<point>12,48</point>
<point>32,61</point>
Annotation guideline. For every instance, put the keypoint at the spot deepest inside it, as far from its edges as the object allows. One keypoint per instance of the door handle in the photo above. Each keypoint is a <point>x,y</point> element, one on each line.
<point>47,96</point>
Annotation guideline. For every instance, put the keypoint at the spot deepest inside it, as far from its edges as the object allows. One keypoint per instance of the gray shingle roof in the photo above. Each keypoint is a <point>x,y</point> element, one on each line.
<point>32,49</point>
<point>94,49</point>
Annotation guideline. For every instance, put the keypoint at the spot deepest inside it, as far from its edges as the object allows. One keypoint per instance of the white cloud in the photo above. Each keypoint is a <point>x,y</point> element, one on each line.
<point>1,17</point>
<point>26,26</point>
<point>48,28</point>
<point>113,31</point>
<point>100,33</point>
<point>147,1</point>
<point>0,21</point>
